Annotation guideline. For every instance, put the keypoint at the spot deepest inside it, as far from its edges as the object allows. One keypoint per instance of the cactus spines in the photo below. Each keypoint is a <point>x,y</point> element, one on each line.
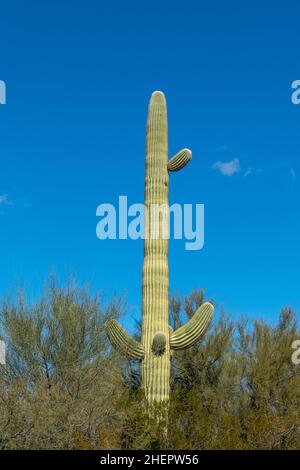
<point>179,160</point>
<point>158,339</point>
<point>159,343</point>
<point>125,344</point>
<point>190,333</point>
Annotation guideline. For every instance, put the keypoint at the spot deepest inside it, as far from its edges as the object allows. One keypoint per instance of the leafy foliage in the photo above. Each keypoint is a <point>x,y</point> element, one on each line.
<point>64,388</point>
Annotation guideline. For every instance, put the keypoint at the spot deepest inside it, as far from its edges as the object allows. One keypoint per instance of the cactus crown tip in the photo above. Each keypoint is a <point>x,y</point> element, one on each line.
<point>158,93</point>
<point>209,305</point>
<point>188,151</point>
<point>158,96</point>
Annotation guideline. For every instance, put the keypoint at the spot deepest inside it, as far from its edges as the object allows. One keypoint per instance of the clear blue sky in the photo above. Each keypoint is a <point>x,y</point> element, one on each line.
<point>79,75</point>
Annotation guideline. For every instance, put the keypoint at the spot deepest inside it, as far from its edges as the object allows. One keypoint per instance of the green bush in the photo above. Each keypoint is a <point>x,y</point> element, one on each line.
<point>64,388</point>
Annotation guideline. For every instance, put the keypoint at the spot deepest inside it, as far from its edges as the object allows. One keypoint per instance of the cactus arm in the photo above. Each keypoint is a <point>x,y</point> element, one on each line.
<point>194,329</point>
<point>179,160</point>
<point>125,344</point>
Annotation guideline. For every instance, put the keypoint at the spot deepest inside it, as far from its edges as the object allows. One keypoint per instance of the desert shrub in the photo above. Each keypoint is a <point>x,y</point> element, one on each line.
<point>64,388</point>
<point>61,379</point>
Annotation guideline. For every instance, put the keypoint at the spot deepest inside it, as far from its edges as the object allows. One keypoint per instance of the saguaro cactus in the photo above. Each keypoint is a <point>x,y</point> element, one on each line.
<point>157,337</point>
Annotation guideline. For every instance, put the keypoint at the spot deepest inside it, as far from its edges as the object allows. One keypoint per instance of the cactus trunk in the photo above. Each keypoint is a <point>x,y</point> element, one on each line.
<point>156,368</point>
<point>157,337</point>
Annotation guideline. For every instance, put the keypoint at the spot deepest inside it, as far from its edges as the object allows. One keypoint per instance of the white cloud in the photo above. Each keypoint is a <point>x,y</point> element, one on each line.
<point>292,173</point>
<point>249,171</point>
<point>228,168</point>
<point>4,201</point>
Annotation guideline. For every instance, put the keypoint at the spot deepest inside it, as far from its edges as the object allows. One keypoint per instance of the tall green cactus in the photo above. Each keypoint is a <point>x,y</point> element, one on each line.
<point>157,337</point>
